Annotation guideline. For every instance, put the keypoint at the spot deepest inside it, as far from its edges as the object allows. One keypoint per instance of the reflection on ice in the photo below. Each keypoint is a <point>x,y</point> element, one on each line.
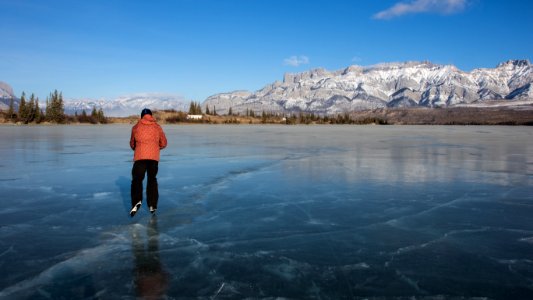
<point>263,212</point>
<point>151,279</point>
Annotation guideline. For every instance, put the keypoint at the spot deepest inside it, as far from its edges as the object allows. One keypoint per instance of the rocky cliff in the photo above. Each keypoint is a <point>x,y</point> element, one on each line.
<point>408,84</point>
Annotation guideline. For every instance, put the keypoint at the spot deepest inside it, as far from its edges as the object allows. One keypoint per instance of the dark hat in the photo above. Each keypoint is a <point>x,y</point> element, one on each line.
<point>146,111</point>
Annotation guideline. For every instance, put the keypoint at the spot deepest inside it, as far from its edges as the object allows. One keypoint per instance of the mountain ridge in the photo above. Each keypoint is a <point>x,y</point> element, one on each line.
<point>396,84</point>
<point>127,105</point>
<point>122,106</point>
<point>393,84</point>
<point>6,94</point>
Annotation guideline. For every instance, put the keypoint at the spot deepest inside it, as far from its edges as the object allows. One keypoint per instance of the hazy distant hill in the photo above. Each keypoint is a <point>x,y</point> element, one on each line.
<point>127,105</point>
<point>408,84</point>
<point>120,107</point>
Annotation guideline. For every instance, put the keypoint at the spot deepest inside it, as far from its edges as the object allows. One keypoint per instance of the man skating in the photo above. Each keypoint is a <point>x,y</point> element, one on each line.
<point>147,139</point>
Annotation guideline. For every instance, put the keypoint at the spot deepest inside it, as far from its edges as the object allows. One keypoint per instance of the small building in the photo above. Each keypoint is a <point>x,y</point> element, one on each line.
<point>194,117</point>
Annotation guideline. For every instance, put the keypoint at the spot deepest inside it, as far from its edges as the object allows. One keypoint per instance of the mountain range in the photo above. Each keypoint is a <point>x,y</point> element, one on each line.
<point>407,84</point>
<point>120,107</point>
<point>127,105</point>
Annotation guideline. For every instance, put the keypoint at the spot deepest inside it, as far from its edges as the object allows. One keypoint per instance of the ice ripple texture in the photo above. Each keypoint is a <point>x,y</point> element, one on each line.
<point>312,212</point>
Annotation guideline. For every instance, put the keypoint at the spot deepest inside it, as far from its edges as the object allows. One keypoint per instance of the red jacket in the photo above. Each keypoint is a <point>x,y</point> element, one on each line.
<point>147,138</point>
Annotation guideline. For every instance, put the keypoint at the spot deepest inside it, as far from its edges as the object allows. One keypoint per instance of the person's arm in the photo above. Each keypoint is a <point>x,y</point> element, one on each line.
<point>162,139</point>
<point>132,139</point>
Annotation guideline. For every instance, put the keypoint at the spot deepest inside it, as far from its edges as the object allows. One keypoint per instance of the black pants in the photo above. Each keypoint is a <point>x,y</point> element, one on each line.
<point>141,167</point>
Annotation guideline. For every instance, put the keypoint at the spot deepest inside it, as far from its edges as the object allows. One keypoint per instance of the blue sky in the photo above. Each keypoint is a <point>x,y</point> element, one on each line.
<point>195,48</point>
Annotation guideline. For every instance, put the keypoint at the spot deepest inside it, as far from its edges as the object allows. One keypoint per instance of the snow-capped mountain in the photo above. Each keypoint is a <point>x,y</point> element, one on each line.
<point>127,105</point>
<point>6,93</point>
<point>405,84</point>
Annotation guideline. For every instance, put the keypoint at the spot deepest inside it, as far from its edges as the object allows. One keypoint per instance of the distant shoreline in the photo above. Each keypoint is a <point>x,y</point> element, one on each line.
<point>518,115</point>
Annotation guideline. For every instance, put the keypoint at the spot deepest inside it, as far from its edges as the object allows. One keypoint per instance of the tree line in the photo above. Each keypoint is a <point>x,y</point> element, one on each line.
<point>29,111</point>
<point>270,117</point>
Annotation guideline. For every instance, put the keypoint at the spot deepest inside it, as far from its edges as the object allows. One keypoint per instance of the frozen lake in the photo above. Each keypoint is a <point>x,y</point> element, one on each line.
<point>316,212</point>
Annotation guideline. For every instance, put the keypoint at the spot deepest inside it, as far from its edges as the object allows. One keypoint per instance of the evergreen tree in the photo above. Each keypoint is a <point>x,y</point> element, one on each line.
<point>94,116</point>
<point>22,114</point>
<point>30,110</point>
<point>11,110</point>
<point>101,117</point>
<point>230,112</point>
<point>60,109</point>
<point>54,108</point>
<point>48,110</point>
<point>207,110</point>
<point>82,118</point>
<point>195,108</point>
<point>214,110</point>
<point>37,110</point>
<point>52,113</point>
<point>41,116</point>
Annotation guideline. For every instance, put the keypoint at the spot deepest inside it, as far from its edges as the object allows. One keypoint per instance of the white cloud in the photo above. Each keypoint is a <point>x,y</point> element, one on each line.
<point>295,61</point>
<point>422,6</point>
<point>356,59</point>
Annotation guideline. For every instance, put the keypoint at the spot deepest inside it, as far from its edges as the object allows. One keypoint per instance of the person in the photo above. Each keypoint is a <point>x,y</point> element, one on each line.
<point>147,139</point>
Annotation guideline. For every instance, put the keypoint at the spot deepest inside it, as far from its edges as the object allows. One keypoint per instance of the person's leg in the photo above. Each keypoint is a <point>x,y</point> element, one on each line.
<point>152,193</point>
<point>137,174</point>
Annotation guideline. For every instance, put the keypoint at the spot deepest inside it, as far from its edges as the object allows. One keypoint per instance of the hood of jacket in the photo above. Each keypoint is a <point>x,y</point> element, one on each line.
<point>148,120</point>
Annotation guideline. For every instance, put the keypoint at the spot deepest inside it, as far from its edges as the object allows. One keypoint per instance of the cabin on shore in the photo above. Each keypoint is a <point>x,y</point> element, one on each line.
<point>194,117</point>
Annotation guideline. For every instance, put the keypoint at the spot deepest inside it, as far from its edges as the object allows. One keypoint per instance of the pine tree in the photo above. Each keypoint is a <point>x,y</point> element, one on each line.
<point>60,109</point>
<point>22,114</point>
<point>207,110</point>
<point>11,110</point>
<point>230,112</point>
<point>94,116</point>
<point>214,110</point>
<point>52,112</point>
<point>48,110</point>
<point>195,108</point>
<point>37,111</point>
<point>30,115</point>
<point>192,108</point>
<point>54,107</point>
<point>101,117</point>
<point>83,117</point>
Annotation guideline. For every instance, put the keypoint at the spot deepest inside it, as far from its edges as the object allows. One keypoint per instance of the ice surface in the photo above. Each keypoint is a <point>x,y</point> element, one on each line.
<point>321,212</point>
